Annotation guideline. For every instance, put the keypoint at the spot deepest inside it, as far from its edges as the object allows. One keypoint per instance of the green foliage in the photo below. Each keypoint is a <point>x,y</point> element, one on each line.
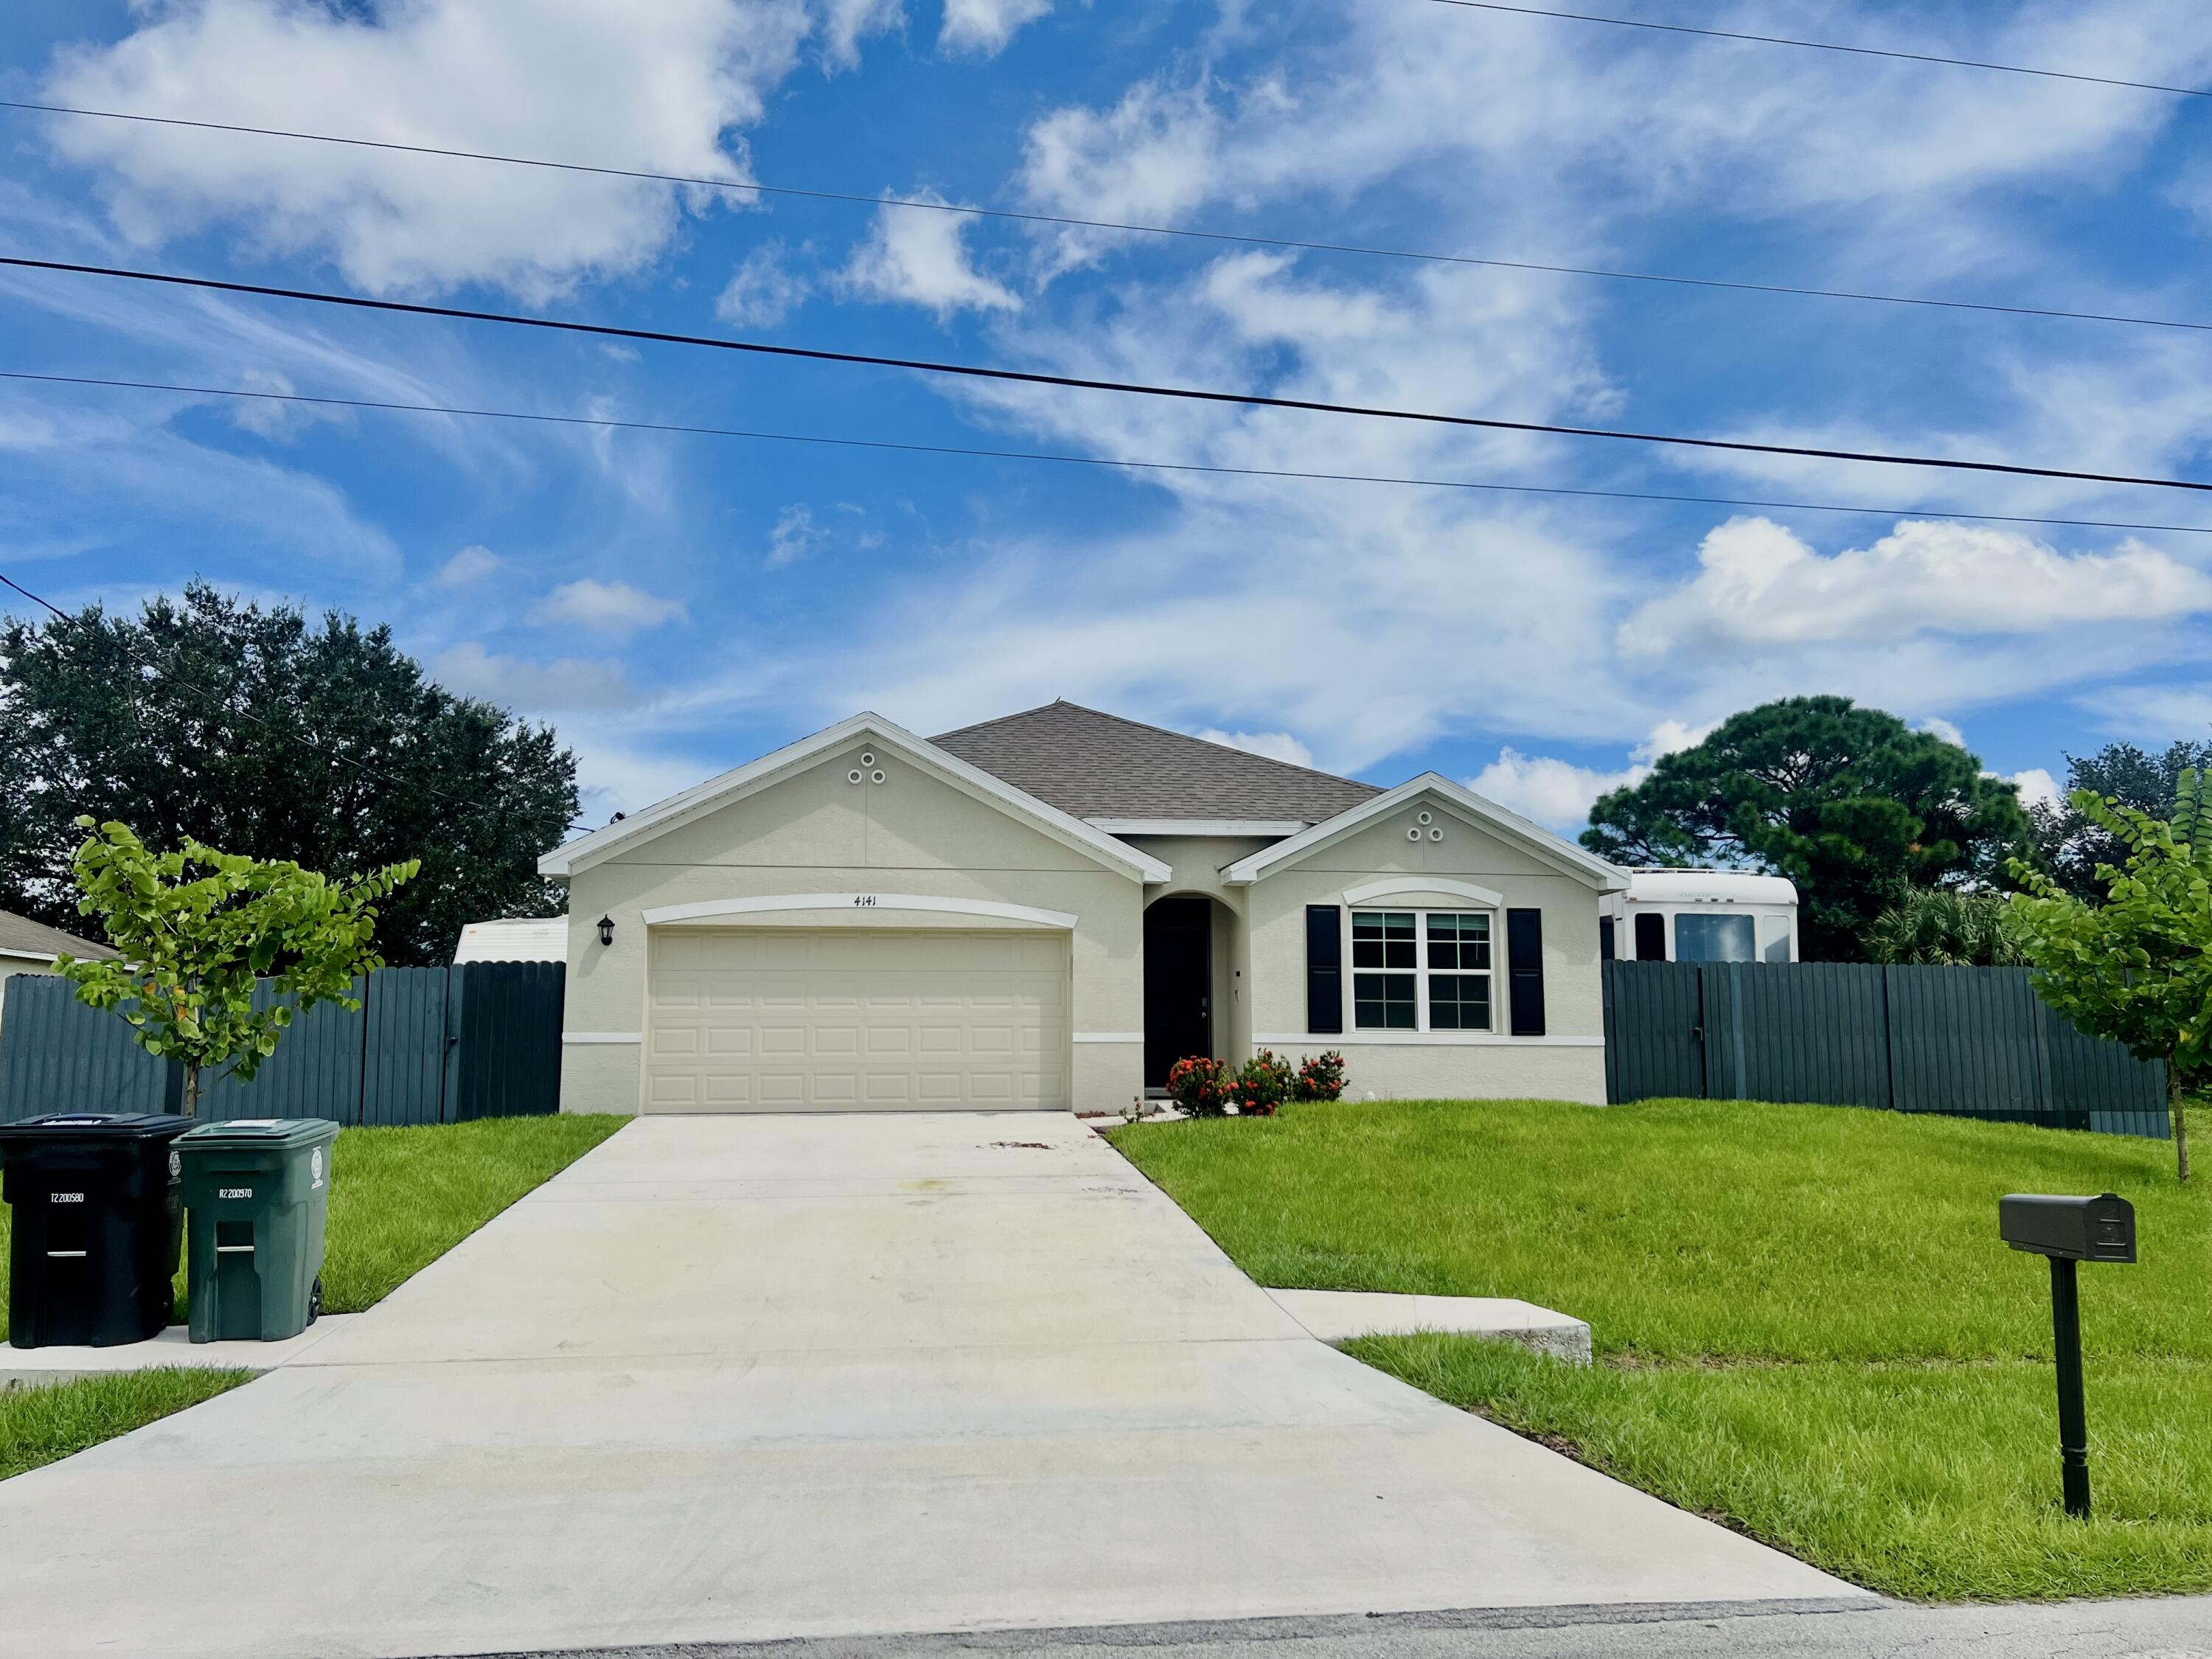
<point>1941,928</point>
<point>2070,844</point>
<point>2138,967</point>
<point>193,946</point>
<point>1849,803</point>
<point>211,719</point>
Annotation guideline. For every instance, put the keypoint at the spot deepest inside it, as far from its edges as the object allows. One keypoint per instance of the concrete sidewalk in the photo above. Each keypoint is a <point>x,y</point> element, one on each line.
<point>732,1379</point>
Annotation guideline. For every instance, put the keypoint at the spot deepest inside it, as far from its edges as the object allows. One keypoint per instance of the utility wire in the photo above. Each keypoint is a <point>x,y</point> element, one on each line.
<point>168,671</point>
<point>1826,45</point>
<point>1103,461</point>
<point>1031,377</point>
<point>1300,244</point>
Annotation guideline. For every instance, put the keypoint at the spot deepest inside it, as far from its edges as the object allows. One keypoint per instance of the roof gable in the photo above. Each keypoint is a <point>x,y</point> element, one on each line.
<point>1560,853</point>
<point>1091,764</point>
<point>733,785</point>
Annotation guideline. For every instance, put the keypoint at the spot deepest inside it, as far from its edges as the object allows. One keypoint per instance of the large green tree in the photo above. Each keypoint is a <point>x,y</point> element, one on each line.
<point>2071,845</point>
<point>248,727</point>
<point>1851,803</point>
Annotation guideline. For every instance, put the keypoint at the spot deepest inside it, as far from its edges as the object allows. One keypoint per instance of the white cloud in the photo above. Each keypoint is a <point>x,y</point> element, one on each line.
<point>919,258</point>
<point>2153,713</point>
<point>762,291</point>
<point>652,87</point>
<point>1275,745</point>
<point>470,671</point>
<point>468,567</point>
<point>985,26</point>
<point>846,23</point>
<point>1556,793</point>
<point>270,417</point>
<point>615,609</point>
<point>795,535</point>
<point>1760,586</point>
<point>2036,787</point>
<point>1935,725</point>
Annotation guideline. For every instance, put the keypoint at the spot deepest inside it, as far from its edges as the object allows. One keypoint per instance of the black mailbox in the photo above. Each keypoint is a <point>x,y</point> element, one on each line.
<point>2100,1229</point>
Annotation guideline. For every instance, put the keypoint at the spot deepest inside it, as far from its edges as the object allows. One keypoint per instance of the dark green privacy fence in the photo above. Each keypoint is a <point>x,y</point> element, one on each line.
<point>1961,1042</point>
<point>428,1045</point>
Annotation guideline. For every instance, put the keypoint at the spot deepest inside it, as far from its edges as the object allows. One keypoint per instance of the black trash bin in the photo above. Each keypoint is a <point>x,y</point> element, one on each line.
<point>98,1221</point>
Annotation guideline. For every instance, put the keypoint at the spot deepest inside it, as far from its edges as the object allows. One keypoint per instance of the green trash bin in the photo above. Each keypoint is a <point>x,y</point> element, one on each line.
<point>256,1190</point>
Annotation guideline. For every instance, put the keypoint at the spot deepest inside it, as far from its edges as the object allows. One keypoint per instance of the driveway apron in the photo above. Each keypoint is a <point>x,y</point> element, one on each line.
<point>744,1378</point>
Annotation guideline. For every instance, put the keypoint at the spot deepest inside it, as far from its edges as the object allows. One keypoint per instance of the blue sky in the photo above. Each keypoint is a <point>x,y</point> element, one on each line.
<point>677,604</point>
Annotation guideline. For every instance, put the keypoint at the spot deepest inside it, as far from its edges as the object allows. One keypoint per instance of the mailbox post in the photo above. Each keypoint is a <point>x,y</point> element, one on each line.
<point>2070,1230</point>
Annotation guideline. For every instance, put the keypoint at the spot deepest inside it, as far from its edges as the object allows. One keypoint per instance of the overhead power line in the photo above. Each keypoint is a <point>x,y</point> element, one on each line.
<point>168,671</point>
<point>1033,377</point>
<point>1828,46</point>
<point>1299,244</point>
<point>609,422</point>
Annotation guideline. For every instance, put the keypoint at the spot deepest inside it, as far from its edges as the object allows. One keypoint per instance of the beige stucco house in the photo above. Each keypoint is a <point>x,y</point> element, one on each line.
<point>1045,911</point>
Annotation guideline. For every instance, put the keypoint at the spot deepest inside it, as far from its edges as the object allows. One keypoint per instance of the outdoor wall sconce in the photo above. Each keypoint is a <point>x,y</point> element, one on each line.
<point>606,930</point>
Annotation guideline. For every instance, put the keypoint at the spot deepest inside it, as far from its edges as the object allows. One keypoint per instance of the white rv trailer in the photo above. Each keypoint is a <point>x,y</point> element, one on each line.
<point>1700,916</point>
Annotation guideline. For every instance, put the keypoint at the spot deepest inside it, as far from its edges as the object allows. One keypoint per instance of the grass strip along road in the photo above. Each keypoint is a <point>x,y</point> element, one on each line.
<point>400,1198</point>
<point>1806,1325</point>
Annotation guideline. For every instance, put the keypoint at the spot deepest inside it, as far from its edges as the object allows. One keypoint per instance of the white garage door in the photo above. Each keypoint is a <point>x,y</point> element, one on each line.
<point>857,1019</point>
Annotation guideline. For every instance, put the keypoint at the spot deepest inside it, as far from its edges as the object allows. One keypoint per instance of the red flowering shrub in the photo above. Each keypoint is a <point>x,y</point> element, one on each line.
<point>1201,1086</point>
<point>1264,1083</point>
<point>1320,1077</point>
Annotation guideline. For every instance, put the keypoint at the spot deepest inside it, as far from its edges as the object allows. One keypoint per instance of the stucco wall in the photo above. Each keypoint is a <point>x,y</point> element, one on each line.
<point>816,832</point>
<point>1567,1063</point>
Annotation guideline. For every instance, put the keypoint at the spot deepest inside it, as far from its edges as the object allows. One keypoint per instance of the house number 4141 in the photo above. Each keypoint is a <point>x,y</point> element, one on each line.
<point>863,901</point>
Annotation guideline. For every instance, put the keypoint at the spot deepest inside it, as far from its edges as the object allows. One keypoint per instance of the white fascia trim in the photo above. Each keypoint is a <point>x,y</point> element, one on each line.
<point>1270,828</point>
<point>1383,889</point>
<point>1421,1039</point>
<point>1561,855</point>
<point>1110,1036</point>
<point>45,957</point>
<point>873,904</point>
<point>602,1036</point>
<point>563,862</point>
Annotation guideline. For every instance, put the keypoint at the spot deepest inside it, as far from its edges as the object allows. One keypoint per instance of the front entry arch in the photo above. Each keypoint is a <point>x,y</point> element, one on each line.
<point>1178,983</point>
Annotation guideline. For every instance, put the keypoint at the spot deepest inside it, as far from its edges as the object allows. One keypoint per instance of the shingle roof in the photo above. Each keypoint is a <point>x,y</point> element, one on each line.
<point>19,936</point>
<point>1096,765</point>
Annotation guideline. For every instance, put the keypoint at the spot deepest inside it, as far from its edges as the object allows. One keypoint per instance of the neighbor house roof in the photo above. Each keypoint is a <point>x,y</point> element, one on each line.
<point>23,939</point>
<point>1100,768</point>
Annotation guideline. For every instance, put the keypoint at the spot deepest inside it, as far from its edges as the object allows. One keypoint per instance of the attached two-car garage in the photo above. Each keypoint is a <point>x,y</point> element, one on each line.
<point>863,1018</point>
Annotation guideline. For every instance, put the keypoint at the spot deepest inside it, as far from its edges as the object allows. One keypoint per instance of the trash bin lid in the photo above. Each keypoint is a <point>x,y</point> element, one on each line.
<point>262,1131</point>
<point>97,1126</point>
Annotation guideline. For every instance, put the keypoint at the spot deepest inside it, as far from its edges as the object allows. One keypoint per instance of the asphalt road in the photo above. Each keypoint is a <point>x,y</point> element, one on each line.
<point>2176,1627</point>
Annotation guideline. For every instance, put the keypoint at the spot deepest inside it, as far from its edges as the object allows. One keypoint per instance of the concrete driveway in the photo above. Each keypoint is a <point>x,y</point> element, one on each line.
<point>736,1378</point>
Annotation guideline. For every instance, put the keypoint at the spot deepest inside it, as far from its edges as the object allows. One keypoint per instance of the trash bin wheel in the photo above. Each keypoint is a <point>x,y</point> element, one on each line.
<point>315,1300</point>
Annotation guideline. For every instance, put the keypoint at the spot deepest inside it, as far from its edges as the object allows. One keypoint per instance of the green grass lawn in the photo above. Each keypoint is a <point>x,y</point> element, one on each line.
<point>400,1199</point>
<point>1806,1324</point>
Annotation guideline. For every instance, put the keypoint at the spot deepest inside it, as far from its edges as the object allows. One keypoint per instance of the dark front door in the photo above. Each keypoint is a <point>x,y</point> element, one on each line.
<point>1178,984</point>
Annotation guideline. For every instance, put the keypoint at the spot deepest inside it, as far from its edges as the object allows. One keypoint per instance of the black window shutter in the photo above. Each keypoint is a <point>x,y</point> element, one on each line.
<point>1524,962</point>
<point>1324,968</point>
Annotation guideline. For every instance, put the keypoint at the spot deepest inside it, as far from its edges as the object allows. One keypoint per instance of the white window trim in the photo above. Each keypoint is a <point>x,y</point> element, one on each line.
<point>1421,970</point>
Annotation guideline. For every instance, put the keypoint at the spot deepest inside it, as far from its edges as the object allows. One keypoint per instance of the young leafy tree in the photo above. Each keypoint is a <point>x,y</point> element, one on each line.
<point>1849,803</point>
<point>2138,967</point>
<point>1933,925</point>
<point>259,730</point>
<point>193,944</point>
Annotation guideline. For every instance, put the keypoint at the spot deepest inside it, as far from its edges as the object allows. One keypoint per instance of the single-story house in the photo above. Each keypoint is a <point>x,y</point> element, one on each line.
<point>30,947</point>
<point>1048,910</point>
